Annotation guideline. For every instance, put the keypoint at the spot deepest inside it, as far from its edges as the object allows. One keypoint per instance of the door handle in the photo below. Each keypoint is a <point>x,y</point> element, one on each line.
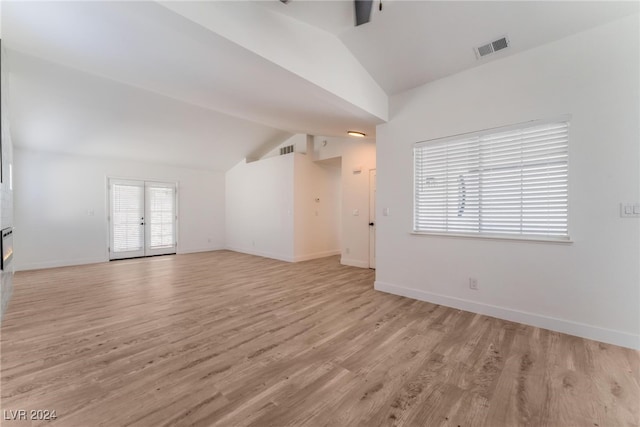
<point>371,224</point>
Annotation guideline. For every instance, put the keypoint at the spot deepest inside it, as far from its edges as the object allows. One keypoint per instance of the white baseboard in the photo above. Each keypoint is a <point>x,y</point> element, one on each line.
<point>57,263</point>
<point>195,250</point>
<point>623,339</point>
<point>286,258</point>
<point>354,262</point>
<point>262,254</point>
<point>71,262</point>
<point>316,255</point>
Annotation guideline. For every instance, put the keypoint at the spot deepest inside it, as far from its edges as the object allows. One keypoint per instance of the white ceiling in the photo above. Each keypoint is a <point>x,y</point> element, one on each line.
<point>141,58</point>
<point>334,16</point>
<point>63,110</point>
<point>410,43</point>
<point>139,80</point>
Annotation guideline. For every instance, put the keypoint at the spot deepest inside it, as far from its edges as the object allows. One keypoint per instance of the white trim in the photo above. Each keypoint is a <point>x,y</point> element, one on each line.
<point>176,224</point>
<point>372,217</point>
<point>182,251</point>
<point>501,237</point>
<point>59,263</point>
<point>285,258</point>
<point>262,254</point>
<point>96,260</point>
<point>354,262</point>
<point>611,336</point>
<point>315,255</point>
<point>135,253</point>
<point>506,128</point>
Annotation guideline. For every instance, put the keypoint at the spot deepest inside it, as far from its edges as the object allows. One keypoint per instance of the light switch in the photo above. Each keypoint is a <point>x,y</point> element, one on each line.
<point>356,212</point>
<point>385,211</point>
<point>636,209</point>
<point>628,209</point>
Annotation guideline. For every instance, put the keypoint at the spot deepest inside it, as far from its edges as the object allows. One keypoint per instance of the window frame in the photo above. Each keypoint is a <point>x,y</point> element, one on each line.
<point>491,235</point>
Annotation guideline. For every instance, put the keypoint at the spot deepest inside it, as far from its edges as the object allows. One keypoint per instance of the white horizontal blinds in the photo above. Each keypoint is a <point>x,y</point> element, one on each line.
<point>127,217</point>
<point>512,182</point>
<point>447,186</point>
<point>524,181</point>
<point>161,214</point>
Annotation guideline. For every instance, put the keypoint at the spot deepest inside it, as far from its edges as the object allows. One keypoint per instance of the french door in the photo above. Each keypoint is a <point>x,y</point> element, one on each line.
<point>142,218</point>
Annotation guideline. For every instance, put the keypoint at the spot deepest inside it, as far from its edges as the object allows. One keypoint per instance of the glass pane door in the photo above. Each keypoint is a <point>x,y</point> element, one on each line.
<point>127,219</point>
<point>161,214</point>
<point>142,219</point>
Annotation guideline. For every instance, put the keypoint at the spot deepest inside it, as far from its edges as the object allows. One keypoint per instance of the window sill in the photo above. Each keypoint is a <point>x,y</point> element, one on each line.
<point>532,239</point>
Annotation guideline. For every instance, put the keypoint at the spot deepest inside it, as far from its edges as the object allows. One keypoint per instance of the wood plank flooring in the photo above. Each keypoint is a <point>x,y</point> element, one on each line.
<point>226,339</point>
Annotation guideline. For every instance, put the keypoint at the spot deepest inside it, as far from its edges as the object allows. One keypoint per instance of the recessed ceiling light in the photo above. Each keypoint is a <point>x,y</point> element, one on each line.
<point>356,133</point>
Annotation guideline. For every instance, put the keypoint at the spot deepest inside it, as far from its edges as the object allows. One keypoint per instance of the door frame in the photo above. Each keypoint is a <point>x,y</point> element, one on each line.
<point>148,251</point>
<point>373,185</point>
<point>129,254</point>
<point>107,210</point>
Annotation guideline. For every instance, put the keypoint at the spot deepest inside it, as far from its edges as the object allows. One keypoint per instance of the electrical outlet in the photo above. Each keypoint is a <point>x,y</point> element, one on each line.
<point>630,210</point>
<point>347,251</point>
<point>473,283</point>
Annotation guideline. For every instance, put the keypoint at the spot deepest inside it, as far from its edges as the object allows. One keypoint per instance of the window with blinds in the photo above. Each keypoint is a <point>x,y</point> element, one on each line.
<point>507,182</point>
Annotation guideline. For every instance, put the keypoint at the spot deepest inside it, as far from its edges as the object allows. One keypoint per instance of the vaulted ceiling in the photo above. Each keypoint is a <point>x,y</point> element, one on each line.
<point>205,84</point>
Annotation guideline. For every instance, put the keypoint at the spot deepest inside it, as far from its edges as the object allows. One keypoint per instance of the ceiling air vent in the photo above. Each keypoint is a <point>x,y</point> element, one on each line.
<point>494,46</point>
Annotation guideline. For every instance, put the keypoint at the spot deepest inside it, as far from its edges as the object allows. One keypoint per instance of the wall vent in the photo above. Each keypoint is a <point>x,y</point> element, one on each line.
<point>491,47</point>
<point>286,150</point>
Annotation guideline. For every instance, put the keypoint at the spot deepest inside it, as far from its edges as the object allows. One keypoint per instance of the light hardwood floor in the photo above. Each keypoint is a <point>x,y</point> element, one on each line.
<point>228,339</point>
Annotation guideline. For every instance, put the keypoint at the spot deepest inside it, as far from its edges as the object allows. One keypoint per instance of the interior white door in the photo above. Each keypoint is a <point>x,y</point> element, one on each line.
<point>372,218</point>
<point>126,219</point>
<point>142,220</point>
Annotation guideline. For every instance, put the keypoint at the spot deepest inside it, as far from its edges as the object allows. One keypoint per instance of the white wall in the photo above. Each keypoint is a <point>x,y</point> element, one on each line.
<point>54,194</point>
<point>259,207</point>
<point>317,223</point>
<point>6,193</point>
<point>299,142</point>
<point>271,209</point>
<point>355,195</point>
<point>355,154</point>
<point>589,288</point>
<point>327,147</point>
